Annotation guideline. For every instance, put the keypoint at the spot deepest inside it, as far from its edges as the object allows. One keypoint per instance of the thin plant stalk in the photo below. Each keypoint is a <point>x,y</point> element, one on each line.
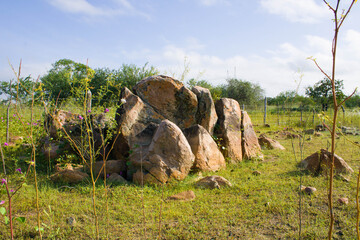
<point>8,115</point>
<point>357,206</point>
<point>337,24</point>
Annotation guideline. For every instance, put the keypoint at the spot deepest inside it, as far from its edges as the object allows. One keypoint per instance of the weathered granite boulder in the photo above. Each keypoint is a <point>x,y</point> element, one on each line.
<point>250,144</point>
<point>207,155</point>
<point>228,129</point>
<point>170,98</point>
<point>269,143</point>
<point>169,156</point>
<point>132,118</point>
<point>206,114</point>
<point>321,160</point>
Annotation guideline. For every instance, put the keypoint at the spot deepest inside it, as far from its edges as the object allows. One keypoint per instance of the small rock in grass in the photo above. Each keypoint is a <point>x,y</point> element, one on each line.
<point>308,190</point>
<point>317,134</point>
<point>183,196</point>
<point>344,201</point>
<point>256,173</point>
<point>213,182</point>
<point>71,221</point>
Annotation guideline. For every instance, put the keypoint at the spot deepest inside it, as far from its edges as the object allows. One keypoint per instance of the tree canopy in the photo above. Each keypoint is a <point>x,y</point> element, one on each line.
<point>243,91</point>
<point>321,92</point>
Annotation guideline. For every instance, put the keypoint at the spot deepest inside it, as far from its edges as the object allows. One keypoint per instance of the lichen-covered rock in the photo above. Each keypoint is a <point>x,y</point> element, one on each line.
<point>250,144</point>
<point>170,98</point>
<point>321,160</point>
<point>207,155</point>
<point>228,129</point>
<point>169,155</point>
<point>206,114</point>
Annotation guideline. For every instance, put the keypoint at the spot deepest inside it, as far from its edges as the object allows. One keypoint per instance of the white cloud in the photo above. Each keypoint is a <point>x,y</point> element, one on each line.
<point>277,72</point>
<point>84,7</point>
<point>305,11</point>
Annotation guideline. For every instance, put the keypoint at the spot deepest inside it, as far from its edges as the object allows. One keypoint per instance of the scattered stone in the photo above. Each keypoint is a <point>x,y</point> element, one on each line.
<point>69,176</point>
<point>228,129</point>
<point>206,114</point>
<point>116,178</point>
<point>250,143</point>
<point>16,139</point>
<point>344,201</point>
<point>183,196</point>
<point>320,128</point>
<point>309,131</point>
<point>71,221</point>
<point>308,190</point>
<point>207,155</point>
<point>267,125</point>
<point>317,134</point>
<point>213,182</point>
<point>256,173</point>
<point>269,143</point>
<point>68,166</point>
<point>321,160</point>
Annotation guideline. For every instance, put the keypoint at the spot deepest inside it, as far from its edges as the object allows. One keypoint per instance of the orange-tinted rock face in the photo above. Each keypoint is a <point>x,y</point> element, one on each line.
<point>170,98</point>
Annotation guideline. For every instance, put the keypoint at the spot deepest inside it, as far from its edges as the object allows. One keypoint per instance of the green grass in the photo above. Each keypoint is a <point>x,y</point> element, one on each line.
<point>256,207</point>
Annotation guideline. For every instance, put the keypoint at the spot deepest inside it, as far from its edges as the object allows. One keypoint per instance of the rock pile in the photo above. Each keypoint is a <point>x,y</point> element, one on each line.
<point>166,129</point>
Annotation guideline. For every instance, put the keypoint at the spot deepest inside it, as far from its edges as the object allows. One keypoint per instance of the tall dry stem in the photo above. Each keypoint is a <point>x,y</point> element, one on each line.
<point>337,24</point>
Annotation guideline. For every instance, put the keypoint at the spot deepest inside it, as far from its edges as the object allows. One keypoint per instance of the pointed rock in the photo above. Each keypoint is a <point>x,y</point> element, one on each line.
<point>228,129</point>
<point>206,114</point>
<point>250,143</point>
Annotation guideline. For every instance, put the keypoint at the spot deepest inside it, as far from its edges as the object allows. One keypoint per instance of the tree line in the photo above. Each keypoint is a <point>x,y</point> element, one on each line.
<point>67,80</point>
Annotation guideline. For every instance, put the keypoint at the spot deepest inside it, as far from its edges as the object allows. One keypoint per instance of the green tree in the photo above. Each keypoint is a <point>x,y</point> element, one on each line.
<point>353,102</point>
<point>321,92</point>
<point>18,89</point>
<point>106,84</point>
<point>244,92</point>
<point>65,79</point>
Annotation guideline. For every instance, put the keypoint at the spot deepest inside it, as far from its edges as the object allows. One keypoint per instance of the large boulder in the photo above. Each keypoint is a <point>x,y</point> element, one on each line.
<point>207,155</point>
<point>206,114</point>
<point>169,156</point>
<point>132,117</point>
<point>321,161</point>
<point>170,98</point>
<point>228,129</point>
<point>250,143</point>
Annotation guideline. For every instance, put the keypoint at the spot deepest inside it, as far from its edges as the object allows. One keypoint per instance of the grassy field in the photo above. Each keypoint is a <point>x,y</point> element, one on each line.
<point>264,206</point>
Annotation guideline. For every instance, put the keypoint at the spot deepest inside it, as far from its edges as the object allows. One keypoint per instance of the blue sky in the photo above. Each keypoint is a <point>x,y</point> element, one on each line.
<point>263,41</point>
